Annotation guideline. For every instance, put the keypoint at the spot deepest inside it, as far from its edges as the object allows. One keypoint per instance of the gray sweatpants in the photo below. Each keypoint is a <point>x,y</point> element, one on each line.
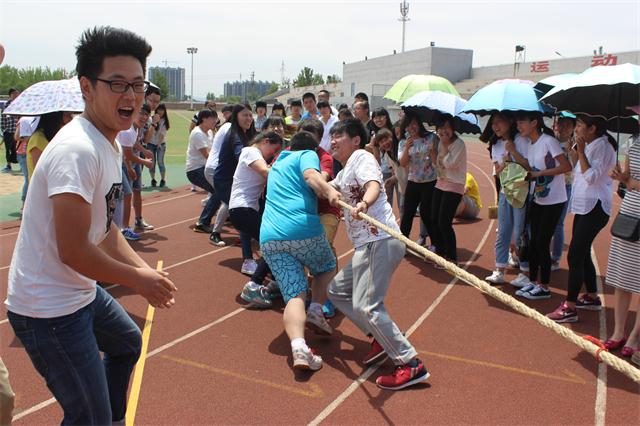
<point>358,291</point>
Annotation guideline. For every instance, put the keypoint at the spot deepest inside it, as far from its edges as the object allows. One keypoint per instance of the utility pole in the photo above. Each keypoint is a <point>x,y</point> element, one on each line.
<point>404,17</point>
<point>192,51</point>
<point>282,73</point>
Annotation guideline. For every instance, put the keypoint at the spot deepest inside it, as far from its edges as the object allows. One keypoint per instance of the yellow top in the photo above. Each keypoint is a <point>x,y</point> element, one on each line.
<point>37,140</point>
<point>472,190</point>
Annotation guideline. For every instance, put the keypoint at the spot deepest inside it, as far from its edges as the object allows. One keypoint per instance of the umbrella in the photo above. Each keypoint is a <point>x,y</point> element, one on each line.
<point>543,86</point>
<point>48,96</point>
<point>629,125</point>
<point>430,106</point>
<point>515,185</point>
<point>509,95</point>
<point>603,91</point>
<point>409,85</point>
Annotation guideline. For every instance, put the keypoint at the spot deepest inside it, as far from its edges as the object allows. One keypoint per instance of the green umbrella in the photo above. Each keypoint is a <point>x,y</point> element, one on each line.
<point>409,85</point>
<point>514,184</point>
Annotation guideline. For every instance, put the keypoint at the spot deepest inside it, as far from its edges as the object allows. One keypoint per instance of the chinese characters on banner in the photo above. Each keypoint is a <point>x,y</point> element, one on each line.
<point>541,66</point>
<point>604,60</point>
<point>596,60</point>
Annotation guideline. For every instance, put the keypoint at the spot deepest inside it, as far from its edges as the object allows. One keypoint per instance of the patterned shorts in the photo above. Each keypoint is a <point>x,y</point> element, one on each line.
<point>287,260</point>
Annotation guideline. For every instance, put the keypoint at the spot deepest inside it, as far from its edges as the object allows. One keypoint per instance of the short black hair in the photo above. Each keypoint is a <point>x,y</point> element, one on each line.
<point>363,104</point>
<point>362,95</point>
<point>227,108</point>
<point>261,104</point>
<point>272,137</point>
<point>313,126</point>
<point>296,102</point>
<point>343,106</point>
<point>279,106</point>
<point>12,91</point>
<point>309,95</point>
<point>273,120</point>
<point>324,91</point>
<point>205,113</point>
<point>323,104</point>
<point>302,141</point>
<point>146,108</point>
<point>352,127</point>
<point>152,89</point>
<point>98,43</point>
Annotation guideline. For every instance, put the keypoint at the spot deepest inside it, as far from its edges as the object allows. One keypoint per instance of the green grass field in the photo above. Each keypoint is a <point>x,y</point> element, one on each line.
<point>177,137</point>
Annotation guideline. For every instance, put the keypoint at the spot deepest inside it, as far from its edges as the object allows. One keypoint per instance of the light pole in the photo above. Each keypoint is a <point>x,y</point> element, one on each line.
<point>404,12</point>
<point>191,51</point>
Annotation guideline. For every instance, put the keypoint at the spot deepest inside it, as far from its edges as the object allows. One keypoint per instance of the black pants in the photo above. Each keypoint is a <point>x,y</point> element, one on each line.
<point>443,209</point>
<point>417,194</point>
<point>246,219</point>
<point>581,270</point>
<point>543,221</point>
<point>10,148</point>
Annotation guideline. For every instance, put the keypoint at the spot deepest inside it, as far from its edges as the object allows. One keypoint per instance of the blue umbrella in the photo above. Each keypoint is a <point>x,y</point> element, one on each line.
<point>431,105</point>
<point>505,95</point>
<point>604,91</point>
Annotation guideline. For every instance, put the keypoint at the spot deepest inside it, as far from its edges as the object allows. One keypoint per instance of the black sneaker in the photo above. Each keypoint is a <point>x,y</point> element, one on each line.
<point>204,229</point>
<point>589,303</point>
<point>154,183</point>
<point>162,183</point>
<point>216,239</point>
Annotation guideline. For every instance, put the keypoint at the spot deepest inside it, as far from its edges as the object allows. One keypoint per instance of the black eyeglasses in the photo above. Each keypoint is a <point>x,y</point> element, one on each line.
<point>121,86</point>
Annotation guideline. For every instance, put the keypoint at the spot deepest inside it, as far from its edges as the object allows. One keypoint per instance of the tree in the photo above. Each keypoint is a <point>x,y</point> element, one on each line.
<point>25,77</point>
<point>306,77</point>
<point>272,89</point>
<point>233,99</point>
<point>333,79</point>
<point>161,82</point>
<point>211,96</point>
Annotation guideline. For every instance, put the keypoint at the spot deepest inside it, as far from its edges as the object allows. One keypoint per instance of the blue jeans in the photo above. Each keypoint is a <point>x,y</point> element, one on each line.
<point>22,159</point>
<point>66,352</point>
<point>197,178</point>
<point>510,226</point>
<point>158,158</point>
<point>558,236</point>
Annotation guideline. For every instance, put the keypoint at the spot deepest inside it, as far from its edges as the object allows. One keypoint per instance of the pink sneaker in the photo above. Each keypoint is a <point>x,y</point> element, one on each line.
<point>563,314</point>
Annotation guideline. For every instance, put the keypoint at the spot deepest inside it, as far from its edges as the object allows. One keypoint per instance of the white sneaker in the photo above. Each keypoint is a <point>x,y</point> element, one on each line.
<point>497,277</point>
<point>521,281</point>
<point>249,267</point>
<point>537,293</point>
<point>318,323</point>
<point>306,360</point>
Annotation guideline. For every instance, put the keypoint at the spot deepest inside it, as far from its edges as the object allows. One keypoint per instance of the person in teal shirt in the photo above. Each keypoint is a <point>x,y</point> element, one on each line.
<point>292,238</point>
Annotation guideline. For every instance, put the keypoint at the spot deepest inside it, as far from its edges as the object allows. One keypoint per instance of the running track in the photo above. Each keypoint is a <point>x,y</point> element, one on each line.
<point>211,361</point>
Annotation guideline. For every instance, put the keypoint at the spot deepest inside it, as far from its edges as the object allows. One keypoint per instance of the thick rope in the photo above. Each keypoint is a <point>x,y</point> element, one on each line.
<point>596,350</point>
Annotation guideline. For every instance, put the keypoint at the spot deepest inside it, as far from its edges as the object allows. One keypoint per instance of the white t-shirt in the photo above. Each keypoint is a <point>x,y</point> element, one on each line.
<point>79,160</point>
<point>499,151</point>
<point>544,150</point>
<point>248,184</point>
<point>197,140</point>
<point>595,184</point>
<point>325,143</point>
<point>127,138</point>
<point>361,168</point>
<point>218,139</point>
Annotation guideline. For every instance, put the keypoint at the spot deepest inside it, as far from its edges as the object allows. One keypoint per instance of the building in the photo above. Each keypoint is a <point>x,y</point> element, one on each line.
<point>247,89</point>
<point>175,80</point>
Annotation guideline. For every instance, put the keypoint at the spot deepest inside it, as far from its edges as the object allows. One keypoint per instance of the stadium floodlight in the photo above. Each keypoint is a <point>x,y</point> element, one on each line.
<point>192,51</point>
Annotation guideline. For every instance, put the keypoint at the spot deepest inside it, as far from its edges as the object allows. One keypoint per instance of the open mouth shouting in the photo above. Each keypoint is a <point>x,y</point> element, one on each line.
<point>125,112</point>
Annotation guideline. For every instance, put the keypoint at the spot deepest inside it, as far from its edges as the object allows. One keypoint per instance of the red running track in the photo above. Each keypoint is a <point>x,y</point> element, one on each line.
<point>211,361</point>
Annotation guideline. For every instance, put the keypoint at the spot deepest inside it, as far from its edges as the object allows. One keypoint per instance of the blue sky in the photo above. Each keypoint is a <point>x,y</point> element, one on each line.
<point>238,37</point>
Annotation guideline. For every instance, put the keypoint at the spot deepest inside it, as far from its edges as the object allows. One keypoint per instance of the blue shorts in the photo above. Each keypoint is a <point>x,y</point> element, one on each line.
<point>287,260</point>
<point>136,184</point>
<point>126,184</point>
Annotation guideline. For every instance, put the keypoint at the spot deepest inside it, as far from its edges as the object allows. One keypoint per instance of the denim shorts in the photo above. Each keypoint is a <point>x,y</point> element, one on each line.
<point>126,182</point>
<point>136,184</point>
<point>287,260</point>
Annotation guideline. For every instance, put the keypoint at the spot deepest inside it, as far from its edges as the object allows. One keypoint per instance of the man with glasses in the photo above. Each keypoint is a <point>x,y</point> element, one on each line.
<point>63,319</point>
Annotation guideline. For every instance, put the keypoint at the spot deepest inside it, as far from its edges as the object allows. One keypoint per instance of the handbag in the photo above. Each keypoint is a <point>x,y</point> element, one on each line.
<point>626,227</point>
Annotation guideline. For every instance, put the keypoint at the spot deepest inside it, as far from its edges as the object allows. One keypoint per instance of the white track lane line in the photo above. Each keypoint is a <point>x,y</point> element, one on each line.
<point>365,376</point>
<point>164,347</point>
<point>601,385</point>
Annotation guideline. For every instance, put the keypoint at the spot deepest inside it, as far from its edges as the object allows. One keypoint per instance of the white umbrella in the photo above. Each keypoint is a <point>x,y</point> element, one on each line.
<point>430,105</point>
<point>48,96</point>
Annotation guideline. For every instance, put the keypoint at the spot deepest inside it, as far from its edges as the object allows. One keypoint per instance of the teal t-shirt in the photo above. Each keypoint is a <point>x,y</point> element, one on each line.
<point>291,211</point>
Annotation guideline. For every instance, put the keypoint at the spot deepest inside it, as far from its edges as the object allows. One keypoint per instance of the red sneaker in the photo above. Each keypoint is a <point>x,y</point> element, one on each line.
<point>403,376</point>
<point>376,353</point>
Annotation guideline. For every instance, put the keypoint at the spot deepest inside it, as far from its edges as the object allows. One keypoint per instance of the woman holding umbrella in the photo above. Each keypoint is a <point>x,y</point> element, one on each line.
<point>547,164</point>
<point>415,153</point>
<point>451,166</point>
<point>591,204</point>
